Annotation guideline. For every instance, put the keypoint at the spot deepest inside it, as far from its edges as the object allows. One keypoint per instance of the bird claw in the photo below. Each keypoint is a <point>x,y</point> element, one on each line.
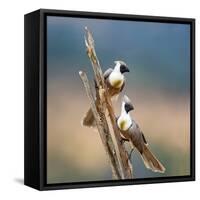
<point>122,140</point>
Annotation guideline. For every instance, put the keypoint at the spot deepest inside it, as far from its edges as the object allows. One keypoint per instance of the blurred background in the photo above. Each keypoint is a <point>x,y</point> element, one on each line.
<point>158,56</point>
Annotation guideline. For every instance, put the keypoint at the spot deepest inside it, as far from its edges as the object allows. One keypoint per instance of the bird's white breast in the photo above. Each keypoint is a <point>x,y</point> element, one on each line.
<point>124,122</point>
<point>116,79</point>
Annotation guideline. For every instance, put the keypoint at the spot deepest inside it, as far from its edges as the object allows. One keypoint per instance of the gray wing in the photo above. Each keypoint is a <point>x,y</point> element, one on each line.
<point>137,137</point>
<point>122,86</point>
<point>107,73</point>
<point>143,137</point>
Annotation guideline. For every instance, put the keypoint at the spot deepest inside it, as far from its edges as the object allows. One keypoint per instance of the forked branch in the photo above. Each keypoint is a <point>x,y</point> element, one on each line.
<point>115,149</point>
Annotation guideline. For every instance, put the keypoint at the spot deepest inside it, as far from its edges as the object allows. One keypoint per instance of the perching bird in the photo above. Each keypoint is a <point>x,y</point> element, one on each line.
<point>115,81</point>
<point>131,131</point>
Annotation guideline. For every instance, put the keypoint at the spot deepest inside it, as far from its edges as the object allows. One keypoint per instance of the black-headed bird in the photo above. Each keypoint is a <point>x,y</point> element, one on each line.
<point>115,81</point>
<point>132,132</point>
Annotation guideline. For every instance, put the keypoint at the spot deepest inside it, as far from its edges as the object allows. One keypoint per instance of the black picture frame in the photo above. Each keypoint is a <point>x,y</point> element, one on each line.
<point>35,97</point>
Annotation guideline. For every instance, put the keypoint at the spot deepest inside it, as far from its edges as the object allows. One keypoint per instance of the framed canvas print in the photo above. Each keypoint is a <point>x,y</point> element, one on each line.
<point>109,99</point>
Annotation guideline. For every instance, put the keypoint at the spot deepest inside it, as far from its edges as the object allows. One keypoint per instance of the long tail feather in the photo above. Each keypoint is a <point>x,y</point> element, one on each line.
<point>151,162</point>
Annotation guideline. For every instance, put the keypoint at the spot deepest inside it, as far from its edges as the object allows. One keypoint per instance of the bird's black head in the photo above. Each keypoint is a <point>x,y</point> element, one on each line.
<point>124,68</point>
<point>128,106</point>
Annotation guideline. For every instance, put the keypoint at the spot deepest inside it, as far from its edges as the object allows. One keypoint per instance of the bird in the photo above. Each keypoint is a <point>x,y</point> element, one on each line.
<point>115,81</point>
<point>131,131</point>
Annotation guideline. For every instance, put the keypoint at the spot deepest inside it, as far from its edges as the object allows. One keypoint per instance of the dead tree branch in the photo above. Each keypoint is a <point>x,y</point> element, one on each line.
<point>115,149</point>
<point>102,128</point>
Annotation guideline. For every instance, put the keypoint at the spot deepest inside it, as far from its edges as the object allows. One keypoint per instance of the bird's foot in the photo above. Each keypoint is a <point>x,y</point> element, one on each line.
<point>123,139</point>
